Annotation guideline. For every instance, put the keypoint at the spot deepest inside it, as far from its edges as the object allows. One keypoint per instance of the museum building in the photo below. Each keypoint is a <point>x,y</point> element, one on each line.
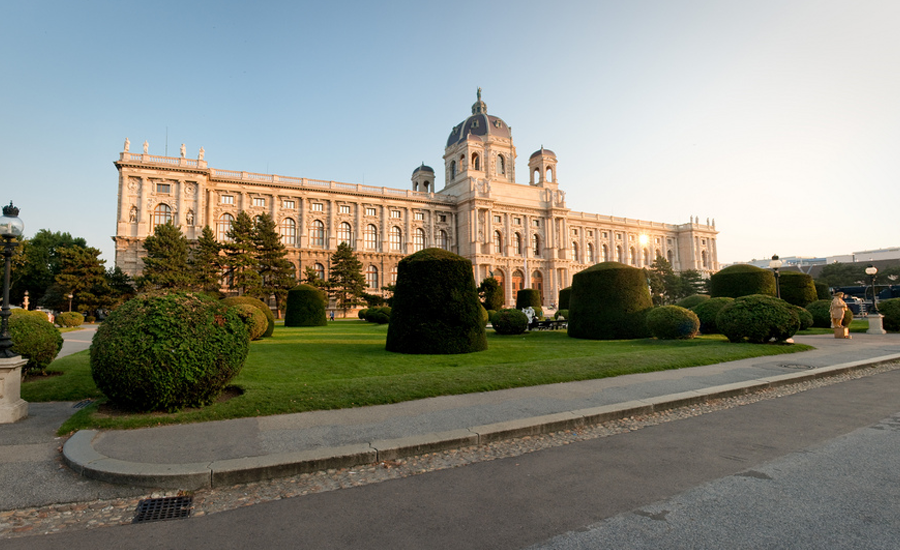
<point>522,234</point>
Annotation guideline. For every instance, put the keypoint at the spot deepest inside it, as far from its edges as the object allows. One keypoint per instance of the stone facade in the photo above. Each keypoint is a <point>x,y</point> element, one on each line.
<point>506,229</point>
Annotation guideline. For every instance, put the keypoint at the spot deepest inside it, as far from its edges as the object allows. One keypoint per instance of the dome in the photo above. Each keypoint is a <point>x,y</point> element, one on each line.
<point>542,152</point>
<point>423,168</point>
<point>479,125</point>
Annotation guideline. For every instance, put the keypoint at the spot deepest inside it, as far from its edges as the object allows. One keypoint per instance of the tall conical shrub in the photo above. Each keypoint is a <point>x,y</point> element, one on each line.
<point>609,301</point>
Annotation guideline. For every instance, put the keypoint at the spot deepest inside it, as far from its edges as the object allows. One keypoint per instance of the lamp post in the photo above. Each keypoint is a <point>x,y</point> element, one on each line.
<point>875,318</point>
<point>70,302</point>
<point>12,406</point>
<point>775,265</point>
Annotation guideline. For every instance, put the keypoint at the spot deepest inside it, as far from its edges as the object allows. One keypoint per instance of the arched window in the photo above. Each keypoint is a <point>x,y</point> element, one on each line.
<point>575,251</point>
<point>162,214</point>
<point>518,281</point>
<point>537,283</point>
<point>517,244</point>
<point>476,162</point>
<point>320,271</point>
<point>536,245</point>
<point>425,185</point>
<point>223,227</point>
<point>317,234</point>
<point>443,240</point>
<point>646,257</point>
<point>452,169</point>
<point>418,239</point>
<point>549,174</point>
<point>372,277</point>
<point>670,256</point>
<point>619,257</point>
<point>396,238</point>
<point>501,164</point>
<point>371,237</point>
<point>498,242</point>
<point>288,230</point>
<point>633,256</point>
<point>605,251</point>
<point>536,175</point>
<point>345,233</point>
<point>704,259</point>
<point>394,275</point>
<point>590,253</point>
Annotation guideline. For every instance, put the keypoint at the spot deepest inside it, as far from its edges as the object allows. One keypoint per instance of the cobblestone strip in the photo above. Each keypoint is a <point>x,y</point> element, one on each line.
<point>61,517</point>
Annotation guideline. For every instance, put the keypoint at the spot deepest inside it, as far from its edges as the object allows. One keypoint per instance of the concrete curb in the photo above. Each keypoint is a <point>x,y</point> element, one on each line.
<point>80,455</point>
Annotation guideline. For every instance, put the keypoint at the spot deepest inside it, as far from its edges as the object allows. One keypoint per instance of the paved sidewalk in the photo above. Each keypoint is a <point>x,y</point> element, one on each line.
<point>235,451</point>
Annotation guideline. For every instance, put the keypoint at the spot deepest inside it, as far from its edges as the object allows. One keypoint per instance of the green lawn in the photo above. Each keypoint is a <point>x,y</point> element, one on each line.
<point>344,364</point>
<point>857,325</point>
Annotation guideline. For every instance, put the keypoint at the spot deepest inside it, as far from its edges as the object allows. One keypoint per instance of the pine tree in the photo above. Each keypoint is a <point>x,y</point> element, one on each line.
<point>166,263</point>
<point>205,262</point>
<point>240,257</point>
<point>491,294</point>
<point>82,274</point>
<point>347,279</point>
<point>276,271</point>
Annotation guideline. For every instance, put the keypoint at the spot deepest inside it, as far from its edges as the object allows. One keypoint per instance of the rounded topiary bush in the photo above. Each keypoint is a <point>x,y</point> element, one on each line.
<point>34,338</point>
<point>362,313</point>
<point>564,296</point>
<point>380,315</point>
<point>609,301</point>
<point>822,291</point>
<point>673,323</point>
<point>806,318</point>
<point>758,319</point>
<point>485,316</point>
<point>742,280</point>
<point>168,351</point>
<point>306,307</point>
<point>692,300</point>
<point>254,319</point>
<point>821,313</point>
<point>436,307</point>
<point>528,297</point>
<point>707,310</point>
<point>891,311</point>
<point>797,288</point>
<point>564,313</point>
<point>509,321</point>
<point>235,300</point>
<point>70,319</point>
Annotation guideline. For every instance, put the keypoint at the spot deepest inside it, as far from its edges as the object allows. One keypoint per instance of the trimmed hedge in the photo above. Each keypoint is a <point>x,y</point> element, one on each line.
<point>609,301</point>
<point>806,318</point>
<point>758,319</point>
<point>70,319</point>
<point>890,309</point>
<point>528,297</point>
<point>797,288</point>
<point>436,306</point>
<point>306,307</point>
<point>821,314</point>
<point>165,352</point>
<point>235,300</point>
<point>822,291</point>
<point>564,313</point>
<point>254,319</point>
<point>34,338</point>
<point>673,323</point>
<point>564,297</point>
<point>707,310</point>
<point>380,315</point>
<point>509,321</point>
<point>742,280</point>
<point>692,300</point>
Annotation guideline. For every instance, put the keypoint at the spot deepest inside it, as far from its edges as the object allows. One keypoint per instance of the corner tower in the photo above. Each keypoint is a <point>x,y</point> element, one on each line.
<point>542,167</point>
<point>480,147</point>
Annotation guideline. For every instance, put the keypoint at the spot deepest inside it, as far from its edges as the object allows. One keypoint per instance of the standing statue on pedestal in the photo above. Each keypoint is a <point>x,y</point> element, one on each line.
<point>838,308</point>
<point>127,144</point>
<point>202,152</point>
<point>183,150</point>
<point>146,146</point>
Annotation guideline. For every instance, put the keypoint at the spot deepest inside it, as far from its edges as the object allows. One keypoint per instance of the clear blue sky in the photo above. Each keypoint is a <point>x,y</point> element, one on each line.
<point>780,119</point>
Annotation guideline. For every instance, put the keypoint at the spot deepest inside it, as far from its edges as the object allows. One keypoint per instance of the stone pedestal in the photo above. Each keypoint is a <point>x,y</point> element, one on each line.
<point>12,406</point>
<point>875,326</point>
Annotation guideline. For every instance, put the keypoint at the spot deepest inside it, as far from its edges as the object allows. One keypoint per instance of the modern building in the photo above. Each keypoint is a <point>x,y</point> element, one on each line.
<point>523,234</point>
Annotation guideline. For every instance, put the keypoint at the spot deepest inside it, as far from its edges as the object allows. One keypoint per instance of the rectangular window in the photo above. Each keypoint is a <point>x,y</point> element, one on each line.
<point>317,207</point>
<point>395,213</point>
<point>288,204</point>
<point>605,235</point>
<point>590,233</point>
<point>498,219</point>
<point>536,223</point>
<point>420,215</point>
<point>517,221</point>
<point>259,202</point>
<point>442,218</point>
<point>575,232</point>
<point>345,209</point>
<point>371,212</point>
<point>163,188</point>
<point>227,199</point>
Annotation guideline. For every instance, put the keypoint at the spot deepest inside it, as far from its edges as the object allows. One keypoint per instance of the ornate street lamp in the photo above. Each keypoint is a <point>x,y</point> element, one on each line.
<point>876,320</point>
<point>775,265</point>
<point>11,227</point>
<point>70,295</point>
<point>871,270</point>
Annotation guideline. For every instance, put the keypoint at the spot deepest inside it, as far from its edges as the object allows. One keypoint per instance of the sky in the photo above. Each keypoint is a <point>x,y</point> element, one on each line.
<point>780,120</point>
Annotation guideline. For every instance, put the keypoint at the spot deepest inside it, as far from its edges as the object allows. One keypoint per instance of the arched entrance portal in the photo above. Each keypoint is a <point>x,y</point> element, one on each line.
<point>537,283</point>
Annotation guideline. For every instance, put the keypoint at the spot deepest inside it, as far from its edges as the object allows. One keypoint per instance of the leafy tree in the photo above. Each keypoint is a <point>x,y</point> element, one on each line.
<point>82,275</point>
<point>205,262</point>
<point>240,256</point>
<point>841,274</point>
<point>166,263</point>
<point>275,270</point>
<point>692,282</point>
<point>491,294</point>
<point>37,263</point>
<point>347,279</point>
<point>389,294</point>
<point>120,285</point>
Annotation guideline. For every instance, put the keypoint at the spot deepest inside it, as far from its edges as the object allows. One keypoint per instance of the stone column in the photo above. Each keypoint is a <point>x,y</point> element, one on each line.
<point>12,406</point>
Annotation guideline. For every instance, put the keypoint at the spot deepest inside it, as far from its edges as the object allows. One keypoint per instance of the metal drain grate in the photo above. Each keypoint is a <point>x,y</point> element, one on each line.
<point>82,404</point>
<point>161,509</point>
<point>795,366</point>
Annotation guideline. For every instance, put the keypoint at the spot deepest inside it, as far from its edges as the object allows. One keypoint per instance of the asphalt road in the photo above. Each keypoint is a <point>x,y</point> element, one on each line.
<point>801,460</point>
